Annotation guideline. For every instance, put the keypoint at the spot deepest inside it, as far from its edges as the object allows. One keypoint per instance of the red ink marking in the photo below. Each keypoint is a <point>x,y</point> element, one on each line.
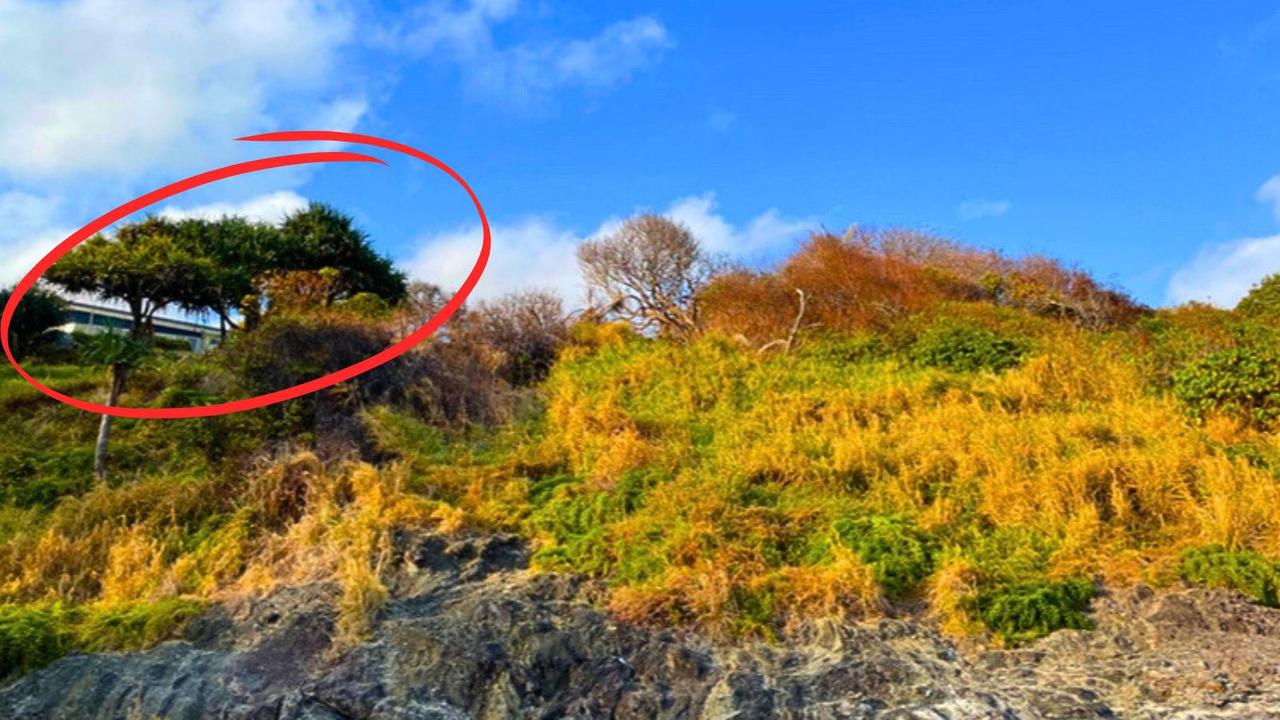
<point>223,173</point>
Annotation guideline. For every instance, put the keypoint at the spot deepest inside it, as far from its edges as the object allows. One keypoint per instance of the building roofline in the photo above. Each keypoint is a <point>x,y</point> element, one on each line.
<point>125,315</point>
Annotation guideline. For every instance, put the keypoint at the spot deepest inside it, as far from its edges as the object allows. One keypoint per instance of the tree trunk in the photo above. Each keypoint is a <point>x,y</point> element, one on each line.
<point>118,373</point>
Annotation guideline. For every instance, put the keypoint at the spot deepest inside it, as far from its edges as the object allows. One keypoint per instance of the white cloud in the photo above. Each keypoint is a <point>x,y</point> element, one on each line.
<point>610,57</point>
<point>29,226</point>
<point>537,253</point>
<point>531,253</point>
<point>269,208</point>
<point>129,86</point>
<point>526,74</point>
<point>1270,193</point>
<point>1222,274</point>
<point>27,232</point>
<point>979,209</point>
<point>765,233</point>
<point>342,114</point>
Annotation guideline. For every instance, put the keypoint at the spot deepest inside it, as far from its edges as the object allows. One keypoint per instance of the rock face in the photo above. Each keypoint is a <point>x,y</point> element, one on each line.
<point>471,634</point>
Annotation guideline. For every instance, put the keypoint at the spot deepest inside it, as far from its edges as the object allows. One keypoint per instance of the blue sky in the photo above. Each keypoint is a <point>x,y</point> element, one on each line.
<point>1134,139</point>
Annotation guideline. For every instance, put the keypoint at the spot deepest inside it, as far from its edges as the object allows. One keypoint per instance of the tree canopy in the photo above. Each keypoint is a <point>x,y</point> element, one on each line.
<point>240,251</point>
<point>218,266</point>
<point>38,312</point>
<point>320,237</point>
<point>648,273</point>
<point>146,265</point>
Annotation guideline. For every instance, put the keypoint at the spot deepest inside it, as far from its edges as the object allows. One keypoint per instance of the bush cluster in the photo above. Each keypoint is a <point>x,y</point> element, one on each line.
<point>967,348</point>
<point>1028,610</point>
<point>899,553</point>
<point>1243,570</point>
<point>1243,382</point>
<point>1263,300</point>
<point>32,636</point>
<point>871,279</point>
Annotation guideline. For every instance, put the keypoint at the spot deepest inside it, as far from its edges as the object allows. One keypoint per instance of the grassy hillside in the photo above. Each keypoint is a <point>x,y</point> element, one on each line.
<point>984,463</point>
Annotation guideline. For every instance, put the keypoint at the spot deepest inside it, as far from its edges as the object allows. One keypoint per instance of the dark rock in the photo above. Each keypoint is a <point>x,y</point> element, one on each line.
<point>469,633</point>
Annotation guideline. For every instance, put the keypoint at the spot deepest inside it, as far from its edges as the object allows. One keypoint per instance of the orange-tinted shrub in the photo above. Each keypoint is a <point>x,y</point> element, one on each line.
<point>870,279</point>
<point>852,284</point>
<point>757,307</point>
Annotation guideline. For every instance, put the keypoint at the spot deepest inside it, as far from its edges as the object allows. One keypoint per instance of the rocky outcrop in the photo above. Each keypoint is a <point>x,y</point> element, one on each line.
<point>471,634</point>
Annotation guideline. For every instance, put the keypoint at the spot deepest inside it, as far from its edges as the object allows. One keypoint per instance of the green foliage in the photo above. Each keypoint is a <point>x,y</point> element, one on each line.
<point>31,637</point>
<point>134,625</point>
<point>38,312</point>
<point>40,477</point>
<point>1007,555</point>
<point>113,349</point>
<point>577,525</point>
<point>240,251</point>
<point>365,304</point>
<point>146,265</point>
<point>754,612</point>
<point>967,348</point>
<point>1243,570</point>
<point>846,348</point>
<point>899,553</point>
<point>1263,300</point>
<point>1243,382</point>
<point>1024,611</point>
<point>319,236</point>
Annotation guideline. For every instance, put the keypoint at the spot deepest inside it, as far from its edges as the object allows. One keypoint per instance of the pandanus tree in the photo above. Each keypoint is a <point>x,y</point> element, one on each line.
<point>119,353</point>
<point>147,267</point>
<point>319,237</point>
<point>239,251</point>
<point>218,266</point>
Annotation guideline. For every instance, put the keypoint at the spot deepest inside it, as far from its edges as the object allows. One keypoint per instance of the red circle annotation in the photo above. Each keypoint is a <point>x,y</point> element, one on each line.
<point>229,171</point>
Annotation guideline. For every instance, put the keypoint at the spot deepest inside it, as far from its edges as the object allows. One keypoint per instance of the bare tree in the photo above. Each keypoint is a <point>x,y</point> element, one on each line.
<point>790,340</point>
<point>421,302</point>
<point>521,333</point>
<point>648,273</point>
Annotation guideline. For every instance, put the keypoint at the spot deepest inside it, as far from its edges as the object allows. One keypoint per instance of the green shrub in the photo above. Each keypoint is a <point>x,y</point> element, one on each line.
<point>1024,611</point>
<point>134,625</point>
<point>31,329</point>
<point>1243,382</point>
<point>39,476</point>
<point>577,523</point>
<point>31,637</point>
<point>1263,300</point>
<point>967,348</point>
<point>899,553</point>
<point>1007,554</point>
<point>839,348</point>
<point>1243,570</point>
<point>753,612</point>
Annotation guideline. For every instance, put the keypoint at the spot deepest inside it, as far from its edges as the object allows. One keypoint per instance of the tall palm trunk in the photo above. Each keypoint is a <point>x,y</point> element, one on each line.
<point>118,373</point>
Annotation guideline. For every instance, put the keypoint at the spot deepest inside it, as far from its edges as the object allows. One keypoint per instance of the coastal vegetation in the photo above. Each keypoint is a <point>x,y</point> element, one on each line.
<point>884,423</point>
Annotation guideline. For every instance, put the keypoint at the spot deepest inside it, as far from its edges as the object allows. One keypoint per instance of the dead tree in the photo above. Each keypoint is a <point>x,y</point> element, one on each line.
<point>789,341</point>
<point>648,273</point>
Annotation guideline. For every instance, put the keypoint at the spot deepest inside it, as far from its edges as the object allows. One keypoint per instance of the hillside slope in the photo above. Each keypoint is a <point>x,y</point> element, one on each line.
<point>969,451</point>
